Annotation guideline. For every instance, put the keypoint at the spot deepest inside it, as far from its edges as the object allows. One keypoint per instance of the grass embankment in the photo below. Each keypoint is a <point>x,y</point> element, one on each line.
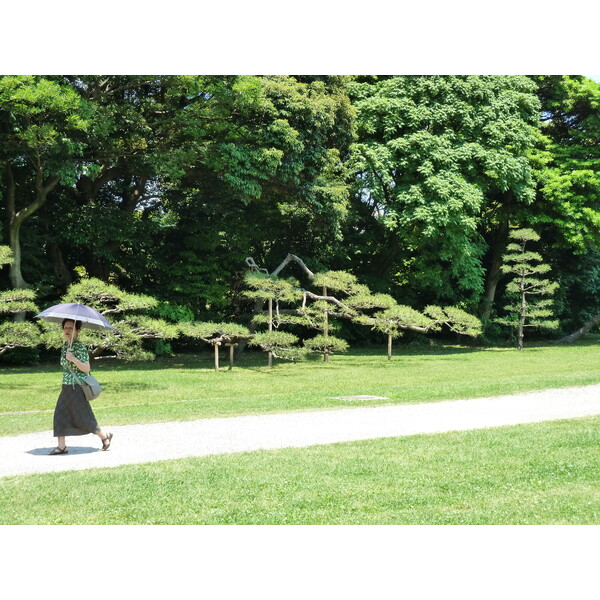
<point>185,388</point>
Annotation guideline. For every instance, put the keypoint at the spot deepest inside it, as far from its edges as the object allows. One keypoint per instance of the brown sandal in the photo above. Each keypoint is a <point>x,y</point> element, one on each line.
<point>106,441</point>
<point>58,450</point>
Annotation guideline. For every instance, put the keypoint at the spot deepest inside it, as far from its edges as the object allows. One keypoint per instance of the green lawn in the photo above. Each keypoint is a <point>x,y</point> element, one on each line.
<point>546,473</point>
<point>187,387</point>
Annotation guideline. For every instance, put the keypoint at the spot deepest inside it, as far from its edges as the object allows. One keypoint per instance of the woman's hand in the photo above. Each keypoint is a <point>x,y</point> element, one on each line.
<point>82,366</point>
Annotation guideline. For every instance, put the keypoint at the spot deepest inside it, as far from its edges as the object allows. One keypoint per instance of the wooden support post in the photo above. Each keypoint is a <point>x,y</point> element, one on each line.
<point>231,352</point>
<point>270,328</point>
<point>217,344</point>
<point>325,328</point>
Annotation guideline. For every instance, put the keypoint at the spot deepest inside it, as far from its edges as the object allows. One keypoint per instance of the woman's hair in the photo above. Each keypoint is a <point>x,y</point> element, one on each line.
<point>77,324</point>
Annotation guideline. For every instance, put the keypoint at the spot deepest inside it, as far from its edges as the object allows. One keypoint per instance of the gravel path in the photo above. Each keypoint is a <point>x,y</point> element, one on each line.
<point>27,453</point>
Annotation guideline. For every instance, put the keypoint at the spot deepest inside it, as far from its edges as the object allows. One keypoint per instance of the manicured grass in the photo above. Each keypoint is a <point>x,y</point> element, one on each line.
<point>186,387</point>
<point>546,473</point>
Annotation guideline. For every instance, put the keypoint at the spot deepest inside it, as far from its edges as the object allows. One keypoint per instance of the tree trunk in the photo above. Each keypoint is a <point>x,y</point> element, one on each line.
<point>16,218</point>
<point>387,259</point>
<point>499,242</point>
<point>86,193</point>
<point>14,226</point>
<point>63,275</point>
<point>389,346</point>
<point>15,273</point>
<point>522,316</point>
<point>291,258</point>
<point>325,328</point>
<point>587,326</point>
<point>270,354</point>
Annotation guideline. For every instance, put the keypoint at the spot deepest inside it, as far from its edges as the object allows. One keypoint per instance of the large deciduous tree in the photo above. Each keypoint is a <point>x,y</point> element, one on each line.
<point>569,172</point>
<point>271,181</point>
<point>43,124</point>
<point>148,131</point>
<point>440,162</point>
<point>567,210</point>
<point>165,183</point>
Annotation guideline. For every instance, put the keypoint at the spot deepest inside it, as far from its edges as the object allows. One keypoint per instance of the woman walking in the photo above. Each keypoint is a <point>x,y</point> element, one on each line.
<point>73,414</point>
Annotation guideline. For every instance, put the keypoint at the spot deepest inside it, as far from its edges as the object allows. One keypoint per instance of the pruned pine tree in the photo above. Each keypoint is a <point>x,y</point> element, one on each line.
<point>128,315</point>
<point>394,320</point>
<point>279,344</point>
<point>356,302</point>
<point>455,319</point>
<point>313,311</point>
<point>16,334</point>
<point>217,335</point>
<point>275,292</point>
<point>352,294</point>
<point>353,301</point>
<point>397,318</point>
<point>532,306</point>
<point>326,345</point>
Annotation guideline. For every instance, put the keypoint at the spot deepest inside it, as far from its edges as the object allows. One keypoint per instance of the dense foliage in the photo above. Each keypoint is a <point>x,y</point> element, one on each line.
<point>162,186</point>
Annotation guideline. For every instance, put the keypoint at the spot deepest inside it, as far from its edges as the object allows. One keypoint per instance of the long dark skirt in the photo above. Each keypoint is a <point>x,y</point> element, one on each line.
<point>73,414</point>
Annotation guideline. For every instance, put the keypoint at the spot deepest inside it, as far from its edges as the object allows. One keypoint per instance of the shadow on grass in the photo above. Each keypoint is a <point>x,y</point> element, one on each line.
<point>257,361</point>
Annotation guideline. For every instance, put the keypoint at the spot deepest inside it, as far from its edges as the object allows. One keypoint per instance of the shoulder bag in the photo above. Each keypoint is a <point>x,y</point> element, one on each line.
<point>91,386</point>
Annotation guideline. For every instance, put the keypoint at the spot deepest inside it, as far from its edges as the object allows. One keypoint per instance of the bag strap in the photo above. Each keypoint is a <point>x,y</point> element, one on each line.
<point>74,376</point>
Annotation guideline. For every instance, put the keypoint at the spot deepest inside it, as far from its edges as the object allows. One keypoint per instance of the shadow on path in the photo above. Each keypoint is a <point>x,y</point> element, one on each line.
<point>72,450</point>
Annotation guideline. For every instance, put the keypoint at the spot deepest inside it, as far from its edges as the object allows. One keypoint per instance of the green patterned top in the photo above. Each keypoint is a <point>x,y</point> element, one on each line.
<point>79,351</point>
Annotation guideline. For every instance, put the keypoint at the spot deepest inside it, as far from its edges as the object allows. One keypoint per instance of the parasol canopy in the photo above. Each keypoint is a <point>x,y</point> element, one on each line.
<point>88,316</point>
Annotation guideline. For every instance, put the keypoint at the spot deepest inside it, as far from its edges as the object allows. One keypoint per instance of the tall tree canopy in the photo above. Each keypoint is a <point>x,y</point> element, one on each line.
<point>438,161</point>
<point>43,125</point>
<point>567,207</point>
<point>273,183</point>
<point>163,185</point>
<point>169,182</point>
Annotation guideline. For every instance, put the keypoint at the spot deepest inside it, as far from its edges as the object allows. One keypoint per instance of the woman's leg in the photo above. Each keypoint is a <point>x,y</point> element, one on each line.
<point>106,438</point>
<point>61,448</point>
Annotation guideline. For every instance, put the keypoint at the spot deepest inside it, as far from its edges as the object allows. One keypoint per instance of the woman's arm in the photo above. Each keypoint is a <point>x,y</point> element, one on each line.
<point>83,366</point>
